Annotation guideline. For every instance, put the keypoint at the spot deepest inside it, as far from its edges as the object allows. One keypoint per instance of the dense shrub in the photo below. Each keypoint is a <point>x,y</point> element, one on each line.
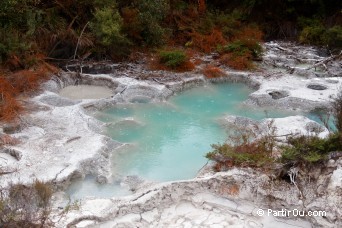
<point>314,32</point>
<point>309,149</point>
<point>11,43</point>
<point>107,26</point>
<point>151,16</point>
<point>246,146</point>
<point>312,35</point>
<point>333,37</point>
<point>172,59</point>
<point>255,149</point>
<point>242,49</point>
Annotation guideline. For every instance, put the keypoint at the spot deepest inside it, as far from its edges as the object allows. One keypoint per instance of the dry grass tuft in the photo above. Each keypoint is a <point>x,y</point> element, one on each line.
<point>213,72</point>
<point>16,85</point>
<point>208,43</point>
<point>237,62</point>
<point>7,140</point>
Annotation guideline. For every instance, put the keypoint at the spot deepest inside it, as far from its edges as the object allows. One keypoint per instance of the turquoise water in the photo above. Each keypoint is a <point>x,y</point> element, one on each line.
<point>168,140</point>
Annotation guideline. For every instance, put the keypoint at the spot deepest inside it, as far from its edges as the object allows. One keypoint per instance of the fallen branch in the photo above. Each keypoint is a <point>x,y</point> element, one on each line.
<point>7,172</point>
<point>325,61</point>
<point>73,139</point>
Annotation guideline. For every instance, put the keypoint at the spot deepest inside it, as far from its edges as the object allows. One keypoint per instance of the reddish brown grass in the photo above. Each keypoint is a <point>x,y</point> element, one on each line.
<point>237,62</point>
<point>208,43</point>
<point>20,83</point>
<point>8,140</point>
<point>202,7</point>
<point>213,72</point>
<point>10,108</point>
<point>218,167</point>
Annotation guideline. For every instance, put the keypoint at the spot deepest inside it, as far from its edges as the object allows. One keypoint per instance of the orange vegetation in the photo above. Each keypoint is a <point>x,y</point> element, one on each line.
<point>8,140</point>
<point>213,72</point>
<point>14,85</point>
<point>238,62</point>
<point>154,64</point>
<point>201,6</point>
<point>208,43</point>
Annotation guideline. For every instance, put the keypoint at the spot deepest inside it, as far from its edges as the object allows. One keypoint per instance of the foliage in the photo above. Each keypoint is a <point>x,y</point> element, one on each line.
<point>26,206</point>
<point>248,146</point>
<point>151,15</point>
<point>107,26</point>
<point>55,28</point>
<point>20,83</point>
<point>208,42</point>
<point>252,148</point>
<point>310,149</point>
<point>172,59</point>
<point>213,72</point>
<point>244,47</point>
<point>11,43</point>
<point>312,35</point>
<point>314,32</point>
<point>333,37</point>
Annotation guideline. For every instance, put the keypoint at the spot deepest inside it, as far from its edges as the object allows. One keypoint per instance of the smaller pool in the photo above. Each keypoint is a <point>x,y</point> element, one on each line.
<point>85,92</point>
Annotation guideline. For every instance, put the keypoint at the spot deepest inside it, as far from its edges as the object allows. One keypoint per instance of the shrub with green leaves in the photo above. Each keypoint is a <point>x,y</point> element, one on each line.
<point>310,149</point>
<point>11,43</point>
<point>250,154</point>
<point>151,16</point>
<point>107,26</point>
<point>246,146</point>
<point>333,37</point>
<point>241,48</point>
<point>312,35</point>
<point>172,59</point>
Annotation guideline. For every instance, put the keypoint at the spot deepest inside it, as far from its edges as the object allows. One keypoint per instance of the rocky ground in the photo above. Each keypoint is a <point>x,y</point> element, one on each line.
<point>61,141</point>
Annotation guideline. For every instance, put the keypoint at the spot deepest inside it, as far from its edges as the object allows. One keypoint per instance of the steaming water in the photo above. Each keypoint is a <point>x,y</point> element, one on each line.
<point>168,141</point>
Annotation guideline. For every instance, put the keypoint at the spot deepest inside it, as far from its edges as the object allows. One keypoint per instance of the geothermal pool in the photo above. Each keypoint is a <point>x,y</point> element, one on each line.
<point>168,141</point>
